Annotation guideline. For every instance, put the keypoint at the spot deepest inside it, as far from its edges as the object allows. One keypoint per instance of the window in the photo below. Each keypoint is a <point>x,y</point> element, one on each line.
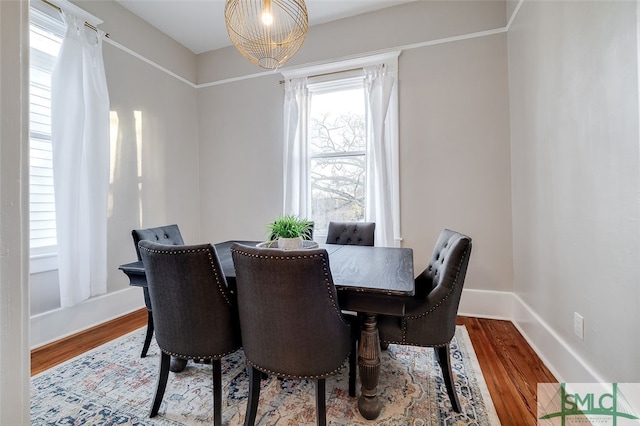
<point>337,152</point>
<point>46,35</point>
<point>341,144</point>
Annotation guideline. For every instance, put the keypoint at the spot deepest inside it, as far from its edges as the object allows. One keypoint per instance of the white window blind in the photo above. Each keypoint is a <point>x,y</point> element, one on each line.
<point>46,34</point>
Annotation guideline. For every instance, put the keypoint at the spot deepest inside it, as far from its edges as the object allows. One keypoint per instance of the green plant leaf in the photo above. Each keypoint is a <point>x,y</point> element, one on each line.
<point>289,226</point>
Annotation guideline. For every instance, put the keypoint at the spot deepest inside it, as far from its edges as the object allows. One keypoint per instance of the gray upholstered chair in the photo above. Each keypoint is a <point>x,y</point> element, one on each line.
<point>292,326</point>
<point>169,234</point>
<point>194,313</point>
<point>354,233</point>
<point>430,318</point>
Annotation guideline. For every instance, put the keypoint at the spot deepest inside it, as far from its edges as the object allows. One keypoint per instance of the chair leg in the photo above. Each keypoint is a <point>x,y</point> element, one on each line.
<point>321,403</point>
<point>443,355</point>
<point>147,339</point>
<point>162,383</point>
<point>254,396</point>
<point>217,392</point>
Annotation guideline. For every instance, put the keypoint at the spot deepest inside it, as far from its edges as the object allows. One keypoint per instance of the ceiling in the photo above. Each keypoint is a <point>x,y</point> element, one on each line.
<point>199,24</point>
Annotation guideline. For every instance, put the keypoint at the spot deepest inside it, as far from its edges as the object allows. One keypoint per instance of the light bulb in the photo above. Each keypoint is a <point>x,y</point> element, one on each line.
<point>267,18</point>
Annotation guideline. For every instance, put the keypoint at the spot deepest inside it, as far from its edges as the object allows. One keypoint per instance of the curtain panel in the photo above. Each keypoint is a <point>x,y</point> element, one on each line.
<point>381,205</point>
<point>80,137</point>
<point>296,160</point>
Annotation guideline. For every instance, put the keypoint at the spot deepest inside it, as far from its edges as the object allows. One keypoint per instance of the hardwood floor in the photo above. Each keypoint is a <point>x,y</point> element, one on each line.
<point>510,367</point>
<point>54,353</point>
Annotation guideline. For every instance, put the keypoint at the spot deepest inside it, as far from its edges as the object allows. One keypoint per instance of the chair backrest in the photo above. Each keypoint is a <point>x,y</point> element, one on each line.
<point>431,316</point>
<point>194,313</point>
<point>168,234</point>
<point>289,315</point>
<point>351,233</point>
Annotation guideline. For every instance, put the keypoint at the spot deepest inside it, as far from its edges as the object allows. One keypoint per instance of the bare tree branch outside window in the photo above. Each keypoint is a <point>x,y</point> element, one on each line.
<point>337,170</point>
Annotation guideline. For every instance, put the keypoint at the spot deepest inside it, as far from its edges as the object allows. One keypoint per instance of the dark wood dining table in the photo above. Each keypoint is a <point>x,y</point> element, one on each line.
<point>369,280</point>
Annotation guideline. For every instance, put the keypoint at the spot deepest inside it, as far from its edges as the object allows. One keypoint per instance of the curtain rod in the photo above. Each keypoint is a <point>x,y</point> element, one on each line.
<point>86,24</point>
<point>326,73</point>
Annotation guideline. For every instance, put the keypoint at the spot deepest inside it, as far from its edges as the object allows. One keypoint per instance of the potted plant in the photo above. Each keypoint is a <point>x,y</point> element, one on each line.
<point>289,231</point>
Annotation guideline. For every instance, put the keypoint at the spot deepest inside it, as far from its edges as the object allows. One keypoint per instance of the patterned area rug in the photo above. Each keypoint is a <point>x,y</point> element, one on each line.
<point>112,385</point>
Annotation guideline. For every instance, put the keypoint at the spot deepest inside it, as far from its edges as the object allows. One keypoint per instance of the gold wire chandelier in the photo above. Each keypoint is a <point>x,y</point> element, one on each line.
<point>266,32</point>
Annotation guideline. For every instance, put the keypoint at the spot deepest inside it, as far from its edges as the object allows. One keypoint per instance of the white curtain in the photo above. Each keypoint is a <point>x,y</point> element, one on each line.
<point>80,136</point>
<point>382,200</point>
<point>296,111</point>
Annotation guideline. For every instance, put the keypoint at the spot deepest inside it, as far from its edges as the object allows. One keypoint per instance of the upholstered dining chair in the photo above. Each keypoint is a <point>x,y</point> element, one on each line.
<point>292,326</point>
<point>194,313</point>
<point>430,318</point>
<point>169,234</point>
<point>354,233</point>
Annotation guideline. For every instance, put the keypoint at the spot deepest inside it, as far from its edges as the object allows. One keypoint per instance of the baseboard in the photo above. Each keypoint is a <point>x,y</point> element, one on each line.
<point>486,304</point>
<point>555,353</point>
<point>60,323</point>
<point>553,350</point>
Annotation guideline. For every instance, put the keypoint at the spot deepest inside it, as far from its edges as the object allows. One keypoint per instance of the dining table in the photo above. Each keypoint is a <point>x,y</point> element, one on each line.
<point>369,280</point>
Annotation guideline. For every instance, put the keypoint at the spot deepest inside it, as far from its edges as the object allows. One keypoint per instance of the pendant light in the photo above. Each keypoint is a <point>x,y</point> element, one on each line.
<point>267,32</point>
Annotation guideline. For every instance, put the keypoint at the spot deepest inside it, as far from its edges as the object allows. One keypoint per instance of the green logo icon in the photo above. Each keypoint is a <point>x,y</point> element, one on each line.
<point>601,407</point>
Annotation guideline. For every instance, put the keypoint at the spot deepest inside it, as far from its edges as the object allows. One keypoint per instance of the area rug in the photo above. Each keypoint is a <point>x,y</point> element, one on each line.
<point>112,385</point>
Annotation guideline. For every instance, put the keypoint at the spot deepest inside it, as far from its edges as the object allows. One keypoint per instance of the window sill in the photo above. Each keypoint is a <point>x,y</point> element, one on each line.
<point>43,263</point>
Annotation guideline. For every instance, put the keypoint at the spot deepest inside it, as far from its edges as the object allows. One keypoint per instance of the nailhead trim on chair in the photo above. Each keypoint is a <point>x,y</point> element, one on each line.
<point>223,288</point>
<point>434,307</point>
<point>305,256</point>
<point>403,343</point>
<point>290,376</point>
<point>183,356</point>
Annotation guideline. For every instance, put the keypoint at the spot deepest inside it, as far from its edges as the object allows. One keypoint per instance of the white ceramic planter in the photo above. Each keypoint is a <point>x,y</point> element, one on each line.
<point>290,243</point>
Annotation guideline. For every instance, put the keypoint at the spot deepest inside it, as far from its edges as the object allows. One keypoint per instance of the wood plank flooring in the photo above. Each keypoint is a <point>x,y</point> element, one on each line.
<point>59,351</point>
<point>510,367</point>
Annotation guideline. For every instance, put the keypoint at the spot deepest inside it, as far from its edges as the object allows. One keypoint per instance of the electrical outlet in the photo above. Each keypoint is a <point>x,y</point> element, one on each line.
<point>578,325</point>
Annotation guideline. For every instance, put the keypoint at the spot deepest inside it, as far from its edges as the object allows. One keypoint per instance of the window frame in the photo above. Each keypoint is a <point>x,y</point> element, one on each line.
<point>385,212</point>
<point>42,258</point>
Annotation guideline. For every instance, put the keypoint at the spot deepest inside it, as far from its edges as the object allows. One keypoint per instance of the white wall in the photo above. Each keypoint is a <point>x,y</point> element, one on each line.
<point>573,70</point>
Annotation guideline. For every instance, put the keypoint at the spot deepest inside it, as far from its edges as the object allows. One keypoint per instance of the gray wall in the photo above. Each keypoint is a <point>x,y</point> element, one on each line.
<point>161,185</point>
<point>404,25</point>
<point>573,70</point>
<point>454,161</point>
<point>241,158</point>
<point>454,131</point>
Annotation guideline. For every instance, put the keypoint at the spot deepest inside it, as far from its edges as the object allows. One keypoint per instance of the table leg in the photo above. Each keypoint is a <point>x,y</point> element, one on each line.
<point>369,367</point>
